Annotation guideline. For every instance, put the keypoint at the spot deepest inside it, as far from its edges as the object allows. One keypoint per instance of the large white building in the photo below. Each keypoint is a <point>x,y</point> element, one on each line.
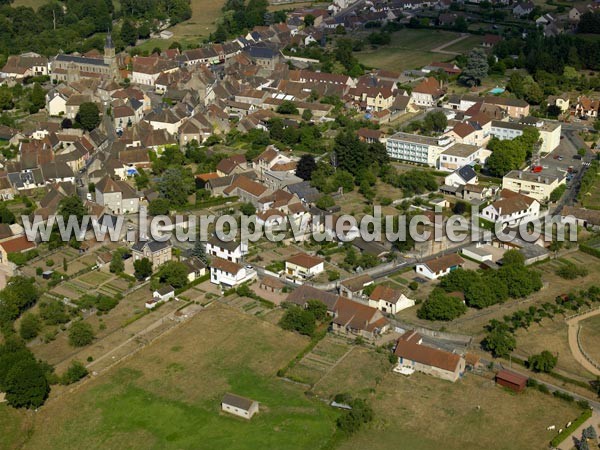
<point>417,149</point>
<point>535,185</point>
<point>549,132</point>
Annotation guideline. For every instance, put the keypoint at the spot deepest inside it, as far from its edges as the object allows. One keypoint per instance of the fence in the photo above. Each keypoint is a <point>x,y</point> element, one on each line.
<point>583,352</point>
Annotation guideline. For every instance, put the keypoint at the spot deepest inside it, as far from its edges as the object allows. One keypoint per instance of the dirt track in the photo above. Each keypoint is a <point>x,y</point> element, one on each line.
<point>573,345</point>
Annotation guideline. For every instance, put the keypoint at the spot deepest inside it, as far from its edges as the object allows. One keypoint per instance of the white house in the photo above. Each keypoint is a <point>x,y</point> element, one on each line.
<point>239,406</point>
<point>460,155</point>
<point>230,251</point>
<point>161,295</point>
<point>511,209</point>
<point>427,93</point>
<point>228,273</point>
<point>304,266</point>
<point>440,266</point>
<point>389,300</point>
<point>56,103</point>
<point>464,175</point>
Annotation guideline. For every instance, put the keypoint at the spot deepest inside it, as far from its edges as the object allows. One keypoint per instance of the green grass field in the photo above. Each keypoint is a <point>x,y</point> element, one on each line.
<point>411,48</point>
<point>168,395</point>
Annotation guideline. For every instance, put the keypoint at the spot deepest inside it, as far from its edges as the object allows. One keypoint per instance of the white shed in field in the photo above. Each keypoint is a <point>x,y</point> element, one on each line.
<point>239,406</point>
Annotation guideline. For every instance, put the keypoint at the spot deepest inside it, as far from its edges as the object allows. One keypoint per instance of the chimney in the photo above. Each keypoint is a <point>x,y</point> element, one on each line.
<point>539,178</point>
<point>520,175</point>
<point>546,180</point>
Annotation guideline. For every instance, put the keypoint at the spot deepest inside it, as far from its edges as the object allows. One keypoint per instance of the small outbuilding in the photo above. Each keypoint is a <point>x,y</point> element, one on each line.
<point>239,406</point>
<point>511,380</point>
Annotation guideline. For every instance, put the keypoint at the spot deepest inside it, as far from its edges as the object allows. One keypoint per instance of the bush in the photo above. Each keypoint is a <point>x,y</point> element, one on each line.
<point>413,285</point>
<point>298,319</point>
<point>81,334</point>
<point>441,306</point>
<point>544,362</point>
<point>351,421</point>
<point>30,326</point>
<point>571,271</point>
<point>333,275</point>
<point>74,373</point>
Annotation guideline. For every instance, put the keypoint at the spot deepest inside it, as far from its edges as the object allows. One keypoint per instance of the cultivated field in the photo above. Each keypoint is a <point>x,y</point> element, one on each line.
<point>168,395</point>
<point>411,49</point>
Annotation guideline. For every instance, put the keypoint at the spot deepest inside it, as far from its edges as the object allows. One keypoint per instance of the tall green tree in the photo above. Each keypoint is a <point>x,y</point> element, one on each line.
<point>88,116</point>
<point>476,69</point>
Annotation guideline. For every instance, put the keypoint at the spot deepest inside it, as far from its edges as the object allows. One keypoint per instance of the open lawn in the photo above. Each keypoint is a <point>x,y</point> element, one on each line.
<point>424,413</point>
<point>591,199</point>
<point>35,4</point>
<point>465,45</point>
<point>168,395</point>
<point>590,337</point>
<point>205,14</point>
<point>409,49</point>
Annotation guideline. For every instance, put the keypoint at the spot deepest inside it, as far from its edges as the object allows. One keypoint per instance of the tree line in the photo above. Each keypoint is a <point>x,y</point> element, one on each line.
<point>481,289</point>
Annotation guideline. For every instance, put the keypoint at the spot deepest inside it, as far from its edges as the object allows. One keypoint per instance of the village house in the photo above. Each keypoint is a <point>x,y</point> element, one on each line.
<point>440,266</point>
<point>587,218</point>
<point>354,287</point>
<point>389,300</point>
<point>460,177</point>
<point>523,8</point>
<point>356,319</point>
<point>18,244</point>
<point>158,252</point>
<point>301,295</point>
<point>229,274</point>
<point>162,295</point>
<point>427,93</point>
<point>196,268</point>
<point>511,209</point>
<point>560,101</point>
<point>229,250</point>
<point>26,65</point>
<point>232,165</point>
<point>118,196</point>
<point>304,266</point>
<point>246,190</point>
<point>413,355</point>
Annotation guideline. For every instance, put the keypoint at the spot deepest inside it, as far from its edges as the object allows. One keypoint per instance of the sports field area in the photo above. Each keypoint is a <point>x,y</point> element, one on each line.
<point>412,48</point>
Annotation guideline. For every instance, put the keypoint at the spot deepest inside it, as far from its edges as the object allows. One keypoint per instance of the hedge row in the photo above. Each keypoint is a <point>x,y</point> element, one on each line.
<point>585,415</point>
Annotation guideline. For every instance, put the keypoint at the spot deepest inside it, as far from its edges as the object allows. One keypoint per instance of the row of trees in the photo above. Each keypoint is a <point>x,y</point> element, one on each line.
<point>500,338</point>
